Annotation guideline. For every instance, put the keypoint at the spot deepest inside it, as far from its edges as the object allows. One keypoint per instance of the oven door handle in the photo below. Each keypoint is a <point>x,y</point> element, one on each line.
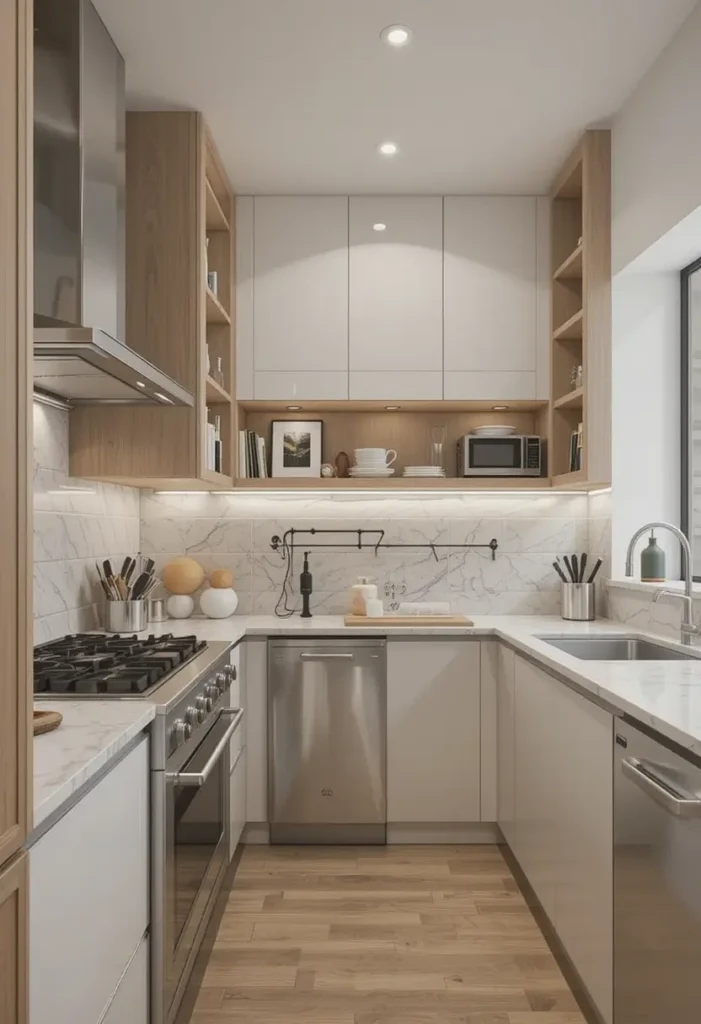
<point>199,778</point>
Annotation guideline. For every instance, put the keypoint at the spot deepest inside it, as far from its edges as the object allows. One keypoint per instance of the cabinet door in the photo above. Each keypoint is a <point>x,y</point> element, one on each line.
<point>535,757</point>
<point>89,896</point>
<point>301,284</point>
<point>583,805</point>
<point>490,286</point>
<point>506,743</point>
<point>396,287</point>
<point>15,453</point>
<point>256,708</point>
<point>131,1000</point>
<point>13,942</point>
<point>433,731</point>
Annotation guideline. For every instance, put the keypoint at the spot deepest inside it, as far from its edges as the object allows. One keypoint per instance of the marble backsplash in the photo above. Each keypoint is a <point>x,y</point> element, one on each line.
<point>75,523</point>
<point>235,531</point>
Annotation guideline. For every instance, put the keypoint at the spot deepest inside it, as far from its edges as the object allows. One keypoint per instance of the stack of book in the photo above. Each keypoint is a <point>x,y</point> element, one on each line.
<point>576,448</point>
<point>252,458</point>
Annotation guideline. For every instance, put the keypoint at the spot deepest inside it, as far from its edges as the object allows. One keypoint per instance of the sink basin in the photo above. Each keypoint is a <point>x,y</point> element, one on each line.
<point>617,648</point>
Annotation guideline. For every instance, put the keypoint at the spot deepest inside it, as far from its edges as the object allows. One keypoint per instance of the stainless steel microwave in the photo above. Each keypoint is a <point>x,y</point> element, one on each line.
<point>514,455</point>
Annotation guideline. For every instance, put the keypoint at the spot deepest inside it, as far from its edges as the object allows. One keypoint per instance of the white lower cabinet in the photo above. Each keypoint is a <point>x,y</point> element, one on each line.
<point>563,819</point>
<point>506,743</point>
<point>256,708</point>
<point>237,800</point>
<point>131,1000</point>
<point>89,900</point>
<point>433,731</point>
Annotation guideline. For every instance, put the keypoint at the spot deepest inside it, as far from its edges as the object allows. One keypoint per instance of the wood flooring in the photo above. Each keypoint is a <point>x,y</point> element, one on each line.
<point>380,935</point>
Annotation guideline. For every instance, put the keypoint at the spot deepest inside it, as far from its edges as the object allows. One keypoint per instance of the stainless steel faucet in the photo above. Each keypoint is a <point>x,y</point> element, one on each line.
<point>689,627</point>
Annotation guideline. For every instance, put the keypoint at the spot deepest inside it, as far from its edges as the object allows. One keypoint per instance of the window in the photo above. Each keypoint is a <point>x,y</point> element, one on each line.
<point>691,408</point>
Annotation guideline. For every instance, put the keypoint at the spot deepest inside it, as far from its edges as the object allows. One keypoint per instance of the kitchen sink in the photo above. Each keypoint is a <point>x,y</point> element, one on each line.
<point>617,648</point>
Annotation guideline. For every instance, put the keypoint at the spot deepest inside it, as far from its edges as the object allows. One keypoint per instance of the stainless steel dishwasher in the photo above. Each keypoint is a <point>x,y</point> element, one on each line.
<point>657,882</point>
<point>327,741</point>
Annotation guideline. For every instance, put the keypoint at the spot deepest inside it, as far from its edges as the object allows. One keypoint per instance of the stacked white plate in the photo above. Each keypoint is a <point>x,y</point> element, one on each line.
<point>367,472</point>
<point>494,430</point>
<point>424,471</point>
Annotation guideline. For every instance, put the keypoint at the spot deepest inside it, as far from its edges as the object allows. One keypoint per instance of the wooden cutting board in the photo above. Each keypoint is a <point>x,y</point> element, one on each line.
<point>46,721</point>
<point>408,620</point>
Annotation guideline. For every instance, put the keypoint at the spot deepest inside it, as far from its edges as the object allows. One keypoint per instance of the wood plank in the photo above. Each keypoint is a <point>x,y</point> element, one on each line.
<point>382,935</point>
<point>15,404</point>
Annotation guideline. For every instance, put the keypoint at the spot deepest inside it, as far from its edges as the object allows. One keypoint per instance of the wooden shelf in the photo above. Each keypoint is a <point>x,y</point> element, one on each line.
<point>220,480</point>
<point>394,484</point>
<point>571,268</point>
<point>573,400</point>
<point>569,479</point>
<point>571,328</point>
<point>215,216</point>
<point>216,314</point>
<point>216,395</point>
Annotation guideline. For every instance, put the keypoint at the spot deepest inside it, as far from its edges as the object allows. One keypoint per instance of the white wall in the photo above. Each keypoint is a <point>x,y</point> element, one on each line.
<point>646,358</point>
<point>657,148</point>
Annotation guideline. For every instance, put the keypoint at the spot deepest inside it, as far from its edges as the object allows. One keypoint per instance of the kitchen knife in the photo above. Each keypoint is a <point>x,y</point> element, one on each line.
<point>568,566</point>
<point>575,568</point>
<point>582,567</point>
<point>595,570</point>
<point>559,572</point>
<point>130,571</point>
<point>107,566</point>
<point>149,566</point>
<point>125,567</point>
<point>137,591</point>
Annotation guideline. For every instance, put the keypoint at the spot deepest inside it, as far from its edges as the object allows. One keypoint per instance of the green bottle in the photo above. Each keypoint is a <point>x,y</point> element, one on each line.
<point>652,562</point>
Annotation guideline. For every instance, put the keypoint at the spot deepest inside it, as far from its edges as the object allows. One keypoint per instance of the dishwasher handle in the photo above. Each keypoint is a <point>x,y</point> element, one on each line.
<point>321,656</point>
<point>661,792</point>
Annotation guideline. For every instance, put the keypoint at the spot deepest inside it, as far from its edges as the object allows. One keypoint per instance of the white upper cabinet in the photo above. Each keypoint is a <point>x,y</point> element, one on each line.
<point>300,303</point>
<point>491,310</point>
<point>396,289</point>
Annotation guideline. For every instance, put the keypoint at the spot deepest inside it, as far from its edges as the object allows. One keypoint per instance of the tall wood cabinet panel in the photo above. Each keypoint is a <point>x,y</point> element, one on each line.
<point>179,224</point>
<point>490,312</point>
<point>396,287</point>
<point>301,284</point>
<point>14,992</point>
<point>15,447</point>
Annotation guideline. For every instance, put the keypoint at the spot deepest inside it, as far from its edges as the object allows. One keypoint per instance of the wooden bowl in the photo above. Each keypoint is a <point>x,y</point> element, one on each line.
<point>46,721</point>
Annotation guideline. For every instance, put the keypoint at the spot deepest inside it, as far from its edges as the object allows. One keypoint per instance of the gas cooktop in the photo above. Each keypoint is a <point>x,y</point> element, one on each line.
<point>97,664</point>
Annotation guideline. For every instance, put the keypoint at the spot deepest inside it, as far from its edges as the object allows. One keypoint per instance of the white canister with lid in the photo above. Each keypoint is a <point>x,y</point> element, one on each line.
<point>360,593</point>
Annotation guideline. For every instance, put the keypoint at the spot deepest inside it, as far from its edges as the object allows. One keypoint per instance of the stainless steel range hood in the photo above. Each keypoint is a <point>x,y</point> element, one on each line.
<point>79,219</point>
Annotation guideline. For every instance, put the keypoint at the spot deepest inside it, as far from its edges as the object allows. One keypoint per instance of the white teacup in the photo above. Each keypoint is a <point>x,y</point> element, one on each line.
<point>374,456</point>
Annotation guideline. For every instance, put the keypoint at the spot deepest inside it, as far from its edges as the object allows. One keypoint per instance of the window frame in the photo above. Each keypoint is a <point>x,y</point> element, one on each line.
<point>686,404</point>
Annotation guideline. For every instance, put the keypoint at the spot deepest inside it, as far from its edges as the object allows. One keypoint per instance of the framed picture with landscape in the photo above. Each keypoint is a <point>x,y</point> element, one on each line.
<point>296,448</point>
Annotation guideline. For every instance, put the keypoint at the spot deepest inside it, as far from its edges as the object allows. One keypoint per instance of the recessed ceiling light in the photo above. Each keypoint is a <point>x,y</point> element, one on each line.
<point>499,408</point>
<point>389,148</point>
<point>163,397</point>
<point>293,408</point>
<point>392,408</point>
<point>379,227</point>
<point>140,384</point>
<point>396,35</point>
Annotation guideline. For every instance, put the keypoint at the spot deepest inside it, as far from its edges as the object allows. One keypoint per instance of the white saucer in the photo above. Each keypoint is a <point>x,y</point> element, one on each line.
<point>358,471</point>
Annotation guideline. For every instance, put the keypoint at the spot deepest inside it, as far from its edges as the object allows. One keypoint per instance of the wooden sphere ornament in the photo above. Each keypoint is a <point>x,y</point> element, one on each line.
<point>182,576</point>
<point>221,579</point>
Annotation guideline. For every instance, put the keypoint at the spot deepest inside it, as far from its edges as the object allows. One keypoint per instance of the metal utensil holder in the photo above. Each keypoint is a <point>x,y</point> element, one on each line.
<point>578,601</point>
<point>125,616</point>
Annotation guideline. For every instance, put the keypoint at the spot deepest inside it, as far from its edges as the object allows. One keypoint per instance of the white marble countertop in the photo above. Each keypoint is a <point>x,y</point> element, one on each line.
<point>91,734</point>
<point>664,695</point>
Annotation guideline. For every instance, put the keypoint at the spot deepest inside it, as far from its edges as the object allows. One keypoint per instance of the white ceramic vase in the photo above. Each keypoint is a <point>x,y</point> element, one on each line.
<point>180,606</point>
<point>219,602</point>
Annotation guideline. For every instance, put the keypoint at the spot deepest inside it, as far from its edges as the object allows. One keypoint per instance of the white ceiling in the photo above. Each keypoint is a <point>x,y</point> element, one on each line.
<point>488,98</point>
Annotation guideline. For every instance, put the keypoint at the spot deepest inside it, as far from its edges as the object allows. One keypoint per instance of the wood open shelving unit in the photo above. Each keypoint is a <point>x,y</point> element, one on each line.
<point>180,224</point>
<point>581,313</point>
<point>354,424</point>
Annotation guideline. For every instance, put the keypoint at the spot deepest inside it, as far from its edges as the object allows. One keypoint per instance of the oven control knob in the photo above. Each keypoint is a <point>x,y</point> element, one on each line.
<point>201,708</point>
<point>230,672</point>
<point>182,731</point>
<point>192,717</point>
<point>212,691</point>
<point>221,682</point>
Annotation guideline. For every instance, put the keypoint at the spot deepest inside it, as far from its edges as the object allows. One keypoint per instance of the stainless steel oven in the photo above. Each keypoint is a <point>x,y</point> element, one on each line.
<point>190,833</point>
<point>512,455</point>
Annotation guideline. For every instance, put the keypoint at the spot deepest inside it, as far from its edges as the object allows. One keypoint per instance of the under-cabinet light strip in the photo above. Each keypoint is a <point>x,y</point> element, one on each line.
<point>377,493</point>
